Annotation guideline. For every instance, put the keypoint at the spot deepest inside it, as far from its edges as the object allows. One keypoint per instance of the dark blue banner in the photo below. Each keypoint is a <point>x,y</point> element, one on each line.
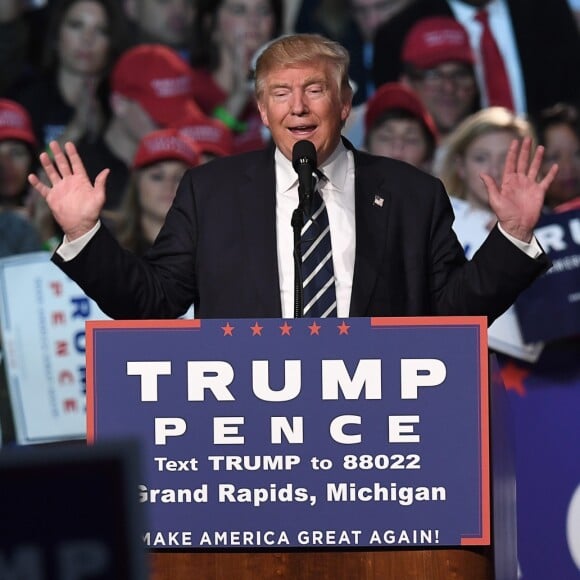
<point>300,433</point>
<point>550,308</point>
<point>545,399</point>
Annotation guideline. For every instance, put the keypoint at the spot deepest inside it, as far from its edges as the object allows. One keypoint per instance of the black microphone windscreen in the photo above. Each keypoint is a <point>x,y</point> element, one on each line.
<point>304,153</point>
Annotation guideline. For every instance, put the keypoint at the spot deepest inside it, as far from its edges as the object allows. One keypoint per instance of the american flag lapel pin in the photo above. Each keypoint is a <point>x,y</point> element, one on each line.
<point>378,201</point>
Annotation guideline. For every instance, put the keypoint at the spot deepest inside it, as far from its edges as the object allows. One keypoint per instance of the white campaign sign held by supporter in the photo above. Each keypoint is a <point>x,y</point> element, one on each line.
<point>42,323</point>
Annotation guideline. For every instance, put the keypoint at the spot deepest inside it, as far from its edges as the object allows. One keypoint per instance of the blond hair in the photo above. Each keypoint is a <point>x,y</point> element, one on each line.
<point>485,121</point>
<point>299,49</point>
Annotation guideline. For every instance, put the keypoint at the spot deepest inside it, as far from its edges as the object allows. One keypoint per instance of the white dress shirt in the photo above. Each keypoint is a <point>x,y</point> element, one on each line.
<point>338,195</point>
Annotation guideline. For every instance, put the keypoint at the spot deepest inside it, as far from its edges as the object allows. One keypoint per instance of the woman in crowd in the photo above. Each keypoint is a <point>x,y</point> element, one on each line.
<point>477,145</point>
<point>558,130</point>
<point>69,99</point>
<point>227,35</point>
<point>161,160</point>
<point>17,151</point>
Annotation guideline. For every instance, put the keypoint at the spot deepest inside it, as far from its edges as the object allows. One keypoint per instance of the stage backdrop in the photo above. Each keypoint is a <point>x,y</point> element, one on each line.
<point>545,401</point>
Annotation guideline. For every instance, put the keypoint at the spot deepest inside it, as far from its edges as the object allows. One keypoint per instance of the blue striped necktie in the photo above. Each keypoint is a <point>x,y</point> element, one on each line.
<point>319,292</point>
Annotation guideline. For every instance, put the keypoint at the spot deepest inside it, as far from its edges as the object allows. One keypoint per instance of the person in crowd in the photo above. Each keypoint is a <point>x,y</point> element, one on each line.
<point>521,31</point>
<point>227,242</point>
<point>162,158</point>
<point>558,130</point>
<point>19,27</point>
<point>18,149</point>
<point>17,235</point>
<point>168,22</point>
<point>69,99</point>
<point>151,88</point>
<point>480,144</point>
<point>212,137</point>
<point>438,66</point>
<point>354,24</point>
<point>227,35</point>
<point>397,125</point>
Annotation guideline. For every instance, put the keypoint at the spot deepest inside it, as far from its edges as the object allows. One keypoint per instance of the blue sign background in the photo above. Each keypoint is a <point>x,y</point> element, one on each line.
<point>550,308</point>
<point>452,453</point>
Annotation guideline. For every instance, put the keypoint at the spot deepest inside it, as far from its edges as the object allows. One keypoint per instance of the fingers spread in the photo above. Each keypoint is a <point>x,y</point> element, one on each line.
<point>49,168</point>
<point>38,185</point>
<point>524,156</point>
<point>510,160</point>
<point>60,159</point>
<point>101,179</point>
<point>490,184</point>
<point>77,165</point>
<point>547,181</point>
<point>536,163</point>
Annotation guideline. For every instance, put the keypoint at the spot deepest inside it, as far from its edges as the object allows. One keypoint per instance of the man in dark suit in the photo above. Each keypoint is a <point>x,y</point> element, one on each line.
<point>544,65</point>
<point>227,242</point>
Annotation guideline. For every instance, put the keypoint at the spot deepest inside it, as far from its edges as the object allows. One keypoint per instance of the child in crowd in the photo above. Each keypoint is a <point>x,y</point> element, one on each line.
<point>397,125</point>
<point>558,130</point>
<point>17,148</point>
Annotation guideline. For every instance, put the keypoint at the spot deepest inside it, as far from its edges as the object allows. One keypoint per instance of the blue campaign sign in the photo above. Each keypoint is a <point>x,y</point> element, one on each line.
<point>300,433</point>
<point>550,308</point>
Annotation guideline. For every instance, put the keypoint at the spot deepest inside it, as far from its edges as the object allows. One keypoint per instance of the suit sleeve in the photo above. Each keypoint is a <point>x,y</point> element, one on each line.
<point>162,284</point>
<point>489,283</point>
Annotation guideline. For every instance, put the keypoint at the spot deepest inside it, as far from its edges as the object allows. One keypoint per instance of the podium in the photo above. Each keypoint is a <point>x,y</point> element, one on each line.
<point>312,449</point>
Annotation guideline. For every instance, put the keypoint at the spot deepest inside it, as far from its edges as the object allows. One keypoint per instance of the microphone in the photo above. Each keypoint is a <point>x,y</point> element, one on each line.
<point>304,163</point>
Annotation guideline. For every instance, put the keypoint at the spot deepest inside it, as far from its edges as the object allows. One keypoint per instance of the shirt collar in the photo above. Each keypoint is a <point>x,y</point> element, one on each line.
<point>334,169</point>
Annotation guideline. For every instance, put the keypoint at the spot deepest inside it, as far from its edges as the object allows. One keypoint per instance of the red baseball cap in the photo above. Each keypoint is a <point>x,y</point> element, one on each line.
<point>211,136</point>
<point>397,96</point>
<point>15,123</point>
<point>157,78</point>
<point>432,41</point>
<point>166,145</point>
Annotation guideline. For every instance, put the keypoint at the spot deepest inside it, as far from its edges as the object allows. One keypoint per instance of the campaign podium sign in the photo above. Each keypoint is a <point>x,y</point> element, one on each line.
<point>324,433</point>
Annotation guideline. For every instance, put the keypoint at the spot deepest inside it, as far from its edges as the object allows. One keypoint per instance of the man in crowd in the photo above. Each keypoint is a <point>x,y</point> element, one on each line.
<point>169,22</point>
<point>151,88</point>
<point>538,45</point>
<point>438,66</point>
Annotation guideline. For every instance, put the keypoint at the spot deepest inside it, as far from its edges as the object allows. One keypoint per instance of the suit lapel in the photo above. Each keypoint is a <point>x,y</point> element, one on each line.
<point>372,201</point>
<point>258,219</point>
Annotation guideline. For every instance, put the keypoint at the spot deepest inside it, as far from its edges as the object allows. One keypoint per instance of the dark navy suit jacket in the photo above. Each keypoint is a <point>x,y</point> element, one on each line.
<point>217,250</point>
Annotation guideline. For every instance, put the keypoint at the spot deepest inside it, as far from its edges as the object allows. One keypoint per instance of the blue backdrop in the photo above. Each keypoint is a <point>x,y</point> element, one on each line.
<point>545,400</point>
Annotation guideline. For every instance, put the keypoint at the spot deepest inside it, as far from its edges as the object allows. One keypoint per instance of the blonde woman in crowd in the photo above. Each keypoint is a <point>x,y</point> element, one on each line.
<point>478,145</point>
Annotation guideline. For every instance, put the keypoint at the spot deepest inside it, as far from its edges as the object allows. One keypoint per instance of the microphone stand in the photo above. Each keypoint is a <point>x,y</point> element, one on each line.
<point>297,222</point>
